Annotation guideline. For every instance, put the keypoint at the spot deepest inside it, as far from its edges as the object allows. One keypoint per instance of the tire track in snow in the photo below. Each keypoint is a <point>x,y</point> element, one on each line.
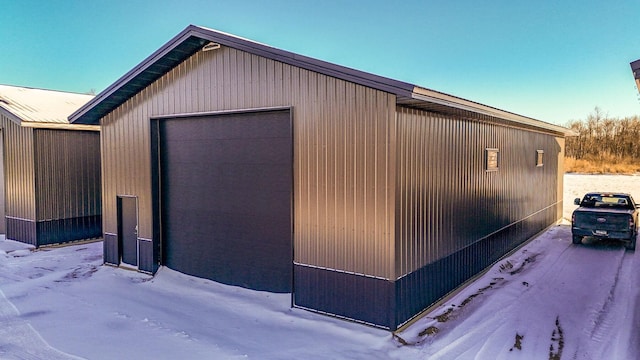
<point>575,285</point>
<point>481,341</point>
<point>618,337</point>
<point>19,340</point>
<point>601,322</point>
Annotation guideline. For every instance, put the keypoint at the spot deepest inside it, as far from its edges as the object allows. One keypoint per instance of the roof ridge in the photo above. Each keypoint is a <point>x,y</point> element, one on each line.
<point>44,89</point>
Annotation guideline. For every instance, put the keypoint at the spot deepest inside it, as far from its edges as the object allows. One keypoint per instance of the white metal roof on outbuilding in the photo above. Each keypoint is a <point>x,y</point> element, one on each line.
<point>32,107</point>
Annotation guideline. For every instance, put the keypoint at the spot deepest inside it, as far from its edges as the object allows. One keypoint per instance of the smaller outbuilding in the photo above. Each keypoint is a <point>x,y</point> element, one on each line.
<point>50,189</point>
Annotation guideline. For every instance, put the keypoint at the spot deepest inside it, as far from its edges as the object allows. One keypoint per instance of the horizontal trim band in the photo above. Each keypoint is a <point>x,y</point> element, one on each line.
<point>17,218</point>
<point>340,271</point>
<point>139,239</point>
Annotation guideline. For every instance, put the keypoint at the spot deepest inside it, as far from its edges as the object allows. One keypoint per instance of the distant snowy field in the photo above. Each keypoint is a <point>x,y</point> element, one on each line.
<point>549,300</point>
<point>575,186</point>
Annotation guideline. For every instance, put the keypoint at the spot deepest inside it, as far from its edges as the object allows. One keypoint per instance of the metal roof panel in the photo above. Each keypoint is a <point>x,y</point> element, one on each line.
<point>40,105</point>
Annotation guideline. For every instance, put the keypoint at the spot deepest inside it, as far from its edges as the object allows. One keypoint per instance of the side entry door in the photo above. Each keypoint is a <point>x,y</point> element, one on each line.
<point>128,230</point>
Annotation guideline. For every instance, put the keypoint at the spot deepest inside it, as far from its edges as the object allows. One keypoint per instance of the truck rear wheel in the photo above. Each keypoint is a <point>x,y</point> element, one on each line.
<point>577,239</point>
<point>631,245</point>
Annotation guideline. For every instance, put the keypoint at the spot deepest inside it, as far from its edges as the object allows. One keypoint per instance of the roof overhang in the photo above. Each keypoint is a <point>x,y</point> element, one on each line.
<point>193,39</point>
<point>42,125</point>
<point>435,101</point>
<point>41,108</point>
<point>56,126</point>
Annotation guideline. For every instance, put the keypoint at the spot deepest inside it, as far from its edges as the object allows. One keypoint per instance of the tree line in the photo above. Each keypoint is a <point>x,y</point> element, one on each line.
<point>601,138</point>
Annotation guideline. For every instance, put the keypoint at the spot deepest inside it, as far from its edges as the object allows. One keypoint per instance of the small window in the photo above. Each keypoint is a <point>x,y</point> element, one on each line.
<point>539,158</point>
<point>492,159</point>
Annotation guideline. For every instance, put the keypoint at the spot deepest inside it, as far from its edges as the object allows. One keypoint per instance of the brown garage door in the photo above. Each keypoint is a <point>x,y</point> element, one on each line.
<point>226,193</point>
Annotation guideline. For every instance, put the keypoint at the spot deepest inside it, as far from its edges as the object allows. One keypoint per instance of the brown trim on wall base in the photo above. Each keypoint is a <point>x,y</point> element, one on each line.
<point>110,249</point>
<point>390,304</point>
<point>355,297</point>
<point>421,288</point>
<point>22,230</point>
<point>50,232</point>
<point>146,258</point>
<point>67,230</point>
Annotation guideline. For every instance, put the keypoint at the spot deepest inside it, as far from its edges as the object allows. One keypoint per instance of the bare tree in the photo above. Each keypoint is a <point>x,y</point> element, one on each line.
<point>601,137</point>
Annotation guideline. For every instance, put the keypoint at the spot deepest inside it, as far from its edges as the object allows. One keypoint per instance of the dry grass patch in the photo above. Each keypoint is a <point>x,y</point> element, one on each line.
<point>602,166</point>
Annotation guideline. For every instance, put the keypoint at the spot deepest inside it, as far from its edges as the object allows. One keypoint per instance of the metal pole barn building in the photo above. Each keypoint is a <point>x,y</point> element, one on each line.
<point>365,197</point>
<point>50,169</point>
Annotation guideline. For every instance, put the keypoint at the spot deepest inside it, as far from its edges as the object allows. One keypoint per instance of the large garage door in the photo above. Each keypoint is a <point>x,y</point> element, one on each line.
<point>226,193</point>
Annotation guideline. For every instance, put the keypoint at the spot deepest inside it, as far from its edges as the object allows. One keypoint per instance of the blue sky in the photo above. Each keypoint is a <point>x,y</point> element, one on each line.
<point>551,60</point>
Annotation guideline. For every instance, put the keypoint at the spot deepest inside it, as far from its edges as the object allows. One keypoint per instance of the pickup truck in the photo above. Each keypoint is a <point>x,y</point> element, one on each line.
<point>606,215</point>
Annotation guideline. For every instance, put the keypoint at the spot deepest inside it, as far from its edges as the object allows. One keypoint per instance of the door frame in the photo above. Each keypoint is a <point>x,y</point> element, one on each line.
<point>120,231</point>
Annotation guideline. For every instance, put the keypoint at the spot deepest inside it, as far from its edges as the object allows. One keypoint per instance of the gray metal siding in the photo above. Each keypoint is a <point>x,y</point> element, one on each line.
<point>3,222</point>
<point>447,200</point>
<point>19,181</point>
<point>67,173</point>
<point>68,185</point>
<point>46,202</point>
<point>454,218</point>
<point>343,133</point>
<point>560,174</point>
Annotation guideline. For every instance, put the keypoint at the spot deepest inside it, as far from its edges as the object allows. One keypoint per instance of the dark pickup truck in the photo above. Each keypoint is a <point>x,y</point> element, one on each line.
<point>606,215</point>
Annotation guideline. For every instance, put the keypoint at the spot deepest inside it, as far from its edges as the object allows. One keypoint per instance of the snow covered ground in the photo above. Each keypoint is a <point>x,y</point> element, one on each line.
<point>549,300</point>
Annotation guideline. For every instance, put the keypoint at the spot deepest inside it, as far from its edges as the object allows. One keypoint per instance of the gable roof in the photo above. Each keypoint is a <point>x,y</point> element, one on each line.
<point>32,107</point>
<point>194,38</point>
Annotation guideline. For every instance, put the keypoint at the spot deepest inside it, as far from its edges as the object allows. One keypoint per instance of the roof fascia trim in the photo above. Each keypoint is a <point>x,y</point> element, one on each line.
<point>59,126</point>
<point>131,74</point>
<point>439,98</point>
<point>397,87</point>
<point>13,117</point>
<point>348,74</point>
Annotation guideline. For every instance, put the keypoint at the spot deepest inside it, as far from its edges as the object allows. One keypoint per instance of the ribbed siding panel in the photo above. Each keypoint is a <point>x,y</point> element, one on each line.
<point>19,181</point>
<point>68,185</point>
<point>343,133</point>
<point>560,180</point>
<point>68,174</point>
<point>447,200</point>
<point>454,218</point>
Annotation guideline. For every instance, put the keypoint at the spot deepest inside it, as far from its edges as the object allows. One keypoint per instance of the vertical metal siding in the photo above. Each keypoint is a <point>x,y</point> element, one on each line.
<point>19,181</point>
<point>343,137</point>
<point>454,218</point>
<point>561,144</point>
<point>67,181</point>
<point>3,221</point>
<point>67,174</point>
<point>447,200</point>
